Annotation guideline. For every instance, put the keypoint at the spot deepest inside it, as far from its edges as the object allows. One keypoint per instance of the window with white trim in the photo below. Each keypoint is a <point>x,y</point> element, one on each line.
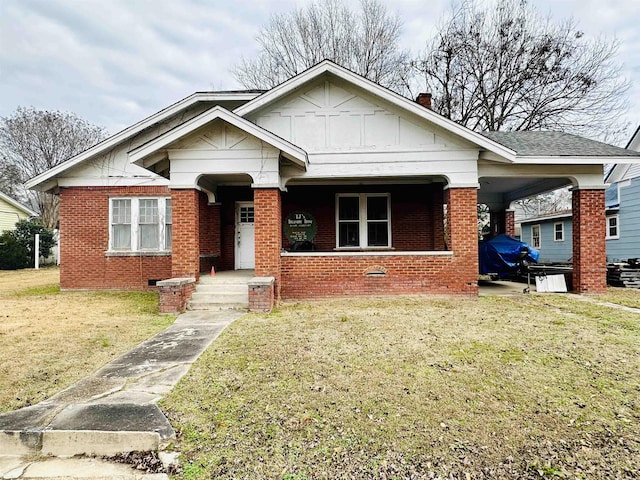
<point>363,220</point>
<point>613,227</point>
<point>140,224</point>
<point>535,236</point>
<point>558,232</point>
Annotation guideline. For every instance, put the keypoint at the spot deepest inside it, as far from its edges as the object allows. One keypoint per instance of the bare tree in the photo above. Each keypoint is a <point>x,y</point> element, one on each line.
<point>544,204</point>
<point>33,141</point>
<point>365,42</point>
<point>508,68</point>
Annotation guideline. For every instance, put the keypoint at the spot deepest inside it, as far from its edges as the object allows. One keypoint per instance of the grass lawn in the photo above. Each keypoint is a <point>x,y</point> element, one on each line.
<point>538,386</point>
<point>50,339</point>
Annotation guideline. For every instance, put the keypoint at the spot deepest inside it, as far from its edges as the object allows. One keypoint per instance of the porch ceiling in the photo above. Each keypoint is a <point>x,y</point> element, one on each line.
<point>500,191</point>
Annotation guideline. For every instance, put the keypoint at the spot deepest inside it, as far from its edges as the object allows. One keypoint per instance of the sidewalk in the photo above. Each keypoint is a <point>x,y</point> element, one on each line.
<point>113,410</point>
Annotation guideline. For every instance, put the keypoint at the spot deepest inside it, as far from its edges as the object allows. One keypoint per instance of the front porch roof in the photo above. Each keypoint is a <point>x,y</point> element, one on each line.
<point>151,152</point>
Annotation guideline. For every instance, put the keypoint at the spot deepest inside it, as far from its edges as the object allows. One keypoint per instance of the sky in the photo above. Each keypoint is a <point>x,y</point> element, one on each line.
<point>115,62</point>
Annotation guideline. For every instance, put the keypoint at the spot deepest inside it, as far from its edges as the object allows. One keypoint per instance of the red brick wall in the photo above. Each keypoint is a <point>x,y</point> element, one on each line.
<point>84,239</point>
<point>268,233</point>
<point>589,245</point>
<point>334,275</point>
<point>210,234</point>
<point>510,223</point>
<point>185,241</point>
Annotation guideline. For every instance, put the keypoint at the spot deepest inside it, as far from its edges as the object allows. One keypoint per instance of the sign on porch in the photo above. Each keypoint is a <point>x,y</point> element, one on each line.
<point>300,227</point>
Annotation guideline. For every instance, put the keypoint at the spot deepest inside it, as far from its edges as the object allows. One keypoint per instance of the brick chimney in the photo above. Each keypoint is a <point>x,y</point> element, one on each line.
<point>424,99</point>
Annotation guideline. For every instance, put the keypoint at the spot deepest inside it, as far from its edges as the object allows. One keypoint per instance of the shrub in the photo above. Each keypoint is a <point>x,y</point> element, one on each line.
<point>17,246</point>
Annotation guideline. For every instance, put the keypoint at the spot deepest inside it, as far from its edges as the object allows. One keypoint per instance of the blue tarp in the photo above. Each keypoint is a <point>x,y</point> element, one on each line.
<point>503,255</point>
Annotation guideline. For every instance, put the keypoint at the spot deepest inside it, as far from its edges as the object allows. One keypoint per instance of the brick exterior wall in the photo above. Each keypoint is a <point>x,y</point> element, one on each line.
<point>268,234</point>
<point>345,275</point>
<point>210,234</point>
<point>510,222</point>
<point>589,245</point>
<point>84,241</point>
<point>185,258</point>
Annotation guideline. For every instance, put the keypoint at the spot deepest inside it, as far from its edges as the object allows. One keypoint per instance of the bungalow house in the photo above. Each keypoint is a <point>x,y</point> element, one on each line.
<point>327,184</point>
<point>11,212</point>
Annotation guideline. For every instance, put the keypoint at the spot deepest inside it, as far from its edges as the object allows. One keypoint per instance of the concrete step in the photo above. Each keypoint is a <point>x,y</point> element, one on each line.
<point>229,288</point>
<point>219,297</point>
<point>213,306</point>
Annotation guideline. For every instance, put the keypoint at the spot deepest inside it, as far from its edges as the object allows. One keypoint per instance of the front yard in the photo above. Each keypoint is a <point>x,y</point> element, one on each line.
<point>50,339</point>
<point>538,386</point>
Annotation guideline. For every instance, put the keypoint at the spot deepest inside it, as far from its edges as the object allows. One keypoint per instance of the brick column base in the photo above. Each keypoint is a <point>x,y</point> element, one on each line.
<point>261,294</point>
<point>174,294</point>
<point>510,223</point>
<point>589,244</point>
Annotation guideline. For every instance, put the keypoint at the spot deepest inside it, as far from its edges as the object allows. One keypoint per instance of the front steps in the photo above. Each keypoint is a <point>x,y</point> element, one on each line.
<point>226,290</point>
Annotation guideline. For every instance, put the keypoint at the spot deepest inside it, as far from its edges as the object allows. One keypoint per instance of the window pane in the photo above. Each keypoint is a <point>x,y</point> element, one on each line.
<point>349,235</point>
<point>168,214</point>
<point>121,237</point>
<point>148,236</point>
<point>246,215</point>
<point>148,211</point>
<point>348,208</point>
<point>121,211</point>
<point>377,208</point>
<point>378,234</point>
<point>167,237</point>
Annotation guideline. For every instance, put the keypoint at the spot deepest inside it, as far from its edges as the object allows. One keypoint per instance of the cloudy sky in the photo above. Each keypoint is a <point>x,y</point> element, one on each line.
<point>114,62</point>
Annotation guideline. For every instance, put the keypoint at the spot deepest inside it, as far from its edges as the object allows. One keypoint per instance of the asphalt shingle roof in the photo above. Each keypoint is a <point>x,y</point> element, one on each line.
<point>556,144</point>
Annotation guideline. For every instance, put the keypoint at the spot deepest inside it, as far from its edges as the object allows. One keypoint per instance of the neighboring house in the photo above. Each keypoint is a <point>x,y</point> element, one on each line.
<point>551,234</point>
<point>622,200</point>
<point>380,191</point>
<point>11,212</point>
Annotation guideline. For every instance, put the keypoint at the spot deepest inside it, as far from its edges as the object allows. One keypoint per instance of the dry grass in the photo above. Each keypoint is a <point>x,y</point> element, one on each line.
<point>50,339</point>
<point>629,297</point>
<point>500,387</point>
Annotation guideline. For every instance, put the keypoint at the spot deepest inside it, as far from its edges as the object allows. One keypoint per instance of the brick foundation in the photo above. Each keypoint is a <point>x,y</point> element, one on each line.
<point>84,241</point>
<point>174,294</point>
<point>589,245</point>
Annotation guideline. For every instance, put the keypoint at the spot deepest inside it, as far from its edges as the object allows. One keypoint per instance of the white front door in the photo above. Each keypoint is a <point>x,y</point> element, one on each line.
<point>245,252</point>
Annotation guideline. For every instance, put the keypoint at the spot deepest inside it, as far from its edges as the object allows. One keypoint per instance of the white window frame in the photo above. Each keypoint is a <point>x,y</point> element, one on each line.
<point>533,243</point>
<point>363,221</point>
<point>555,237</point>
<point>617,227</point>
<point>135,221</point>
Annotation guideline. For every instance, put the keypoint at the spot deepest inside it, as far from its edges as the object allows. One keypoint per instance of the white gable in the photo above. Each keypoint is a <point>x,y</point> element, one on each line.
<point>330,115</point>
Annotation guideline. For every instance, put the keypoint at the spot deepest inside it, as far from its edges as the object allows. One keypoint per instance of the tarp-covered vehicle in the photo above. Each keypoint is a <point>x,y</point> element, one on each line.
<point>503,255</point>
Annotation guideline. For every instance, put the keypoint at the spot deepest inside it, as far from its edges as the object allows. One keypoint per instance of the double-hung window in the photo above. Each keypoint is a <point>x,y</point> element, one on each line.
<point>535,236</point>
<point>613,227</point>
<point>558,232</point>
<point>363,220</point>
<point>140,224</point>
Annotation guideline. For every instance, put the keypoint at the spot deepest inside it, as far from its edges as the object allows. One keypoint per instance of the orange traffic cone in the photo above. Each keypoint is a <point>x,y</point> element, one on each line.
<point>213,272</point>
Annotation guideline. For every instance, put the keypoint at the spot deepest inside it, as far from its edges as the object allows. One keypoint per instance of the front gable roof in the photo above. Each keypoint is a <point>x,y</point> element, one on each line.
<point>621,171</point>
<point>290,151</point>
<point>230,98</point>
<point>328,67</point>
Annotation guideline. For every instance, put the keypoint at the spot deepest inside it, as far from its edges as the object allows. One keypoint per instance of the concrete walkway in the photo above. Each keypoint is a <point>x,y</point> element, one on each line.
<point>114,410</point>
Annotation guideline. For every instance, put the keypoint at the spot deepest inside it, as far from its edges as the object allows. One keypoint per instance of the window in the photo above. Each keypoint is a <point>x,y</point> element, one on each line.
<point>558,232</point>
<point>613,226</point>
<point>140,224</point>
<point>363,220</point>
<point>535,236</point>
